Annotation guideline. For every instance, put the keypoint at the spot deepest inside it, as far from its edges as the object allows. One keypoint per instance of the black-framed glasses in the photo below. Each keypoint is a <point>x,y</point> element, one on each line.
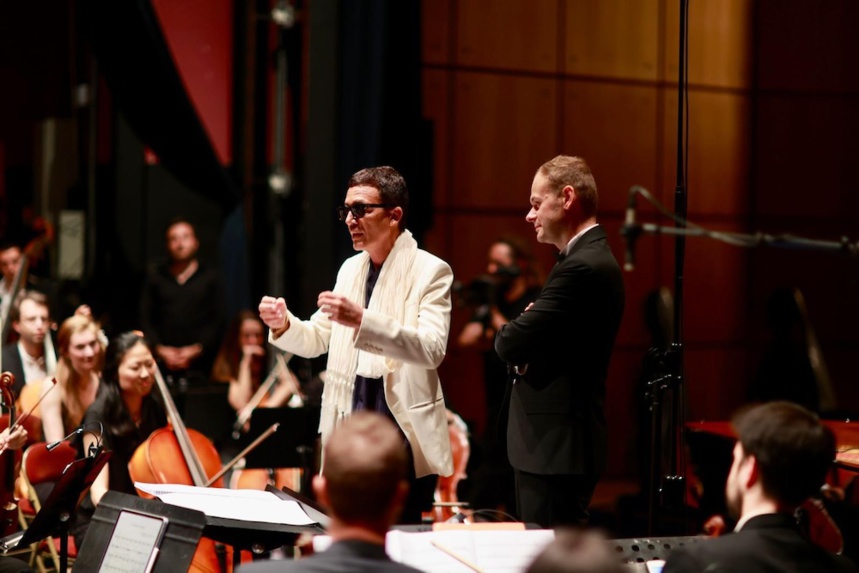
<point>358,210</point>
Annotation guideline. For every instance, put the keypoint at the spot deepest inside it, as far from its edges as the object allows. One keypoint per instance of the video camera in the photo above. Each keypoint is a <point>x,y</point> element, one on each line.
<point>484,289</point>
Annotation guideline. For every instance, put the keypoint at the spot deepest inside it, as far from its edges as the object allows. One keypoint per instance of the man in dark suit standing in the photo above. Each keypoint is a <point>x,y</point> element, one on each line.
<point>558,351</point>
<point>781,458</point>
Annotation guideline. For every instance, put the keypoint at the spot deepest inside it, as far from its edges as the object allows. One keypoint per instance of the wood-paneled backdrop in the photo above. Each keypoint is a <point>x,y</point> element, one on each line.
<point>774,121</point>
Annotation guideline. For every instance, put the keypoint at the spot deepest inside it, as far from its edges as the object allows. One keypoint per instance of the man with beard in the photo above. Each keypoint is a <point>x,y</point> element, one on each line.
<point>182,308</point>
<point>781,458</point>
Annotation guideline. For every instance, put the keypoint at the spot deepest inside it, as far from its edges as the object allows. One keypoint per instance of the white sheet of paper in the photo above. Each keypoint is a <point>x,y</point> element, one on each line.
<point>242,504</point>
<point>495,551</point>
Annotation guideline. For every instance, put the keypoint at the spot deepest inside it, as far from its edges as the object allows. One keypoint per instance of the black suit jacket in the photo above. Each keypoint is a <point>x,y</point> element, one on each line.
<point>12,363</point>
<point>765,544</point>
<point>557,421</point>
<point>356,556</point>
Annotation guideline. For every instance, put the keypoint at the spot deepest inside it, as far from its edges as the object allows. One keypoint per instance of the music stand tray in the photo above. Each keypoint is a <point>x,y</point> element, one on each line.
<point>168,535</point>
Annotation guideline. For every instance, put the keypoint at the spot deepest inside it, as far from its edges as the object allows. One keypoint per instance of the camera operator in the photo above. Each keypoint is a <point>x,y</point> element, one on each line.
<point>510,284</point>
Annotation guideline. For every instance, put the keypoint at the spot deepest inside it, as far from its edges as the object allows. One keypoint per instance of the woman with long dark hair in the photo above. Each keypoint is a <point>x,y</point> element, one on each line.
<point>128,413</point>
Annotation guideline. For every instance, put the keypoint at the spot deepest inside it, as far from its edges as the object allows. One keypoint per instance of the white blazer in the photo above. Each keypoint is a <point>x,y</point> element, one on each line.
<point>413,391</point>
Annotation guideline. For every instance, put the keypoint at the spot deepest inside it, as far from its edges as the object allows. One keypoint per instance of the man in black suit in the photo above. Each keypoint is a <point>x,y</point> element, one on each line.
<point>364,486</point>
<point>558,351</point>
<point>781,458</point>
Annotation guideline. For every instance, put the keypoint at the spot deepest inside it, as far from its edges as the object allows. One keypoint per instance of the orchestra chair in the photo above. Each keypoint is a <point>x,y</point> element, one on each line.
<point>40,466</point>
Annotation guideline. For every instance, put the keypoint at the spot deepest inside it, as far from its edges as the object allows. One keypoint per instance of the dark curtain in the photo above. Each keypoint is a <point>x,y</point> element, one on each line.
<point>137,65</point>
<point>380,95</point>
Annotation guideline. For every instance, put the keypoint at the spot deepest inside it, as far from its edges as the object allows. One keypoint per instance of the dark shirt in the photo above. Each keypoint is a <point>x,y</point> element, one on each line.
<point>369,393</point>
<point>123,448</point>
<point>352,556</point>
<point>174,314</point>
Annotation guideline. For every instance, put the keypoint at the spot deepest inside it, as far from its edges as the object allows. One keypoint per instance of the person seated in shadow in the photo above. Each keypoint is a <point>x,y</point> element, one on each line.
<point>363,484</point>
<point>13,440</point>
<point>786,371</point>
<point>781,458</point>
<point>242,362</point>
<point>576,551</point>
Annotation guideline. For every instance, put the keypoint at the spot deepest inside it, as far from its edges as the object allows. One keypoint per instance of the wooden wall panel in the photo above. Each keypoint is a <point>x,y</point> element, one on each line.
<point>612,38</point>
<point>614,127</point>
<point>508,35</point>
<point>623,412</point>
<point>719,152</point>
<point>436,27</point>
<point>716,381</point>
<point>436,109</point>
<point>809,135</point>
<point>808,45</point>
<point>720,42</point>
<point>716,290</point>
<point>505,128</point>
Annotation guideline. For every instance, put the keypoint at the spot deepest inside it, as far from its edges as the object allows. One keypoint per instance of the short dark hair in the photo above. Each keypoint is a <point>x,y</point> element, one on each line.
<point>365,460</point>
<point>566,170</point>
<point>793,449</point>
<point>390,184</point>
<point>31,295</point>
<point>576,551</point>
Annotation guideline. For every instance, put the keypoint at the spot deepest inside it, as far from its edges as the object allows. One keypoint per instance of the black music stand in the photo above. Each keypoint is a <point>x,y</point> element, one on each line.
<point>53,519</point>
<point>292,446</point>
<point>175,546</point>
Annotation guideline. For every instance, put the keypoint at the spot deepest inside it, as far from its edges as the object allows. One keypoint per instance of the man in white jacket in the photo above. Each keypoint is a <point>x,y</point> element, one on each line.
<point>385,327</point>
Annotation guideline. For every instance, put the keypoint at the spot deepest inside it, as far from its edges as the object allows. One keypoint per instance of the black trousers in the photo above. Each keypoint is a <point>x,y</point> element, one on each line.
<point>553,500</point>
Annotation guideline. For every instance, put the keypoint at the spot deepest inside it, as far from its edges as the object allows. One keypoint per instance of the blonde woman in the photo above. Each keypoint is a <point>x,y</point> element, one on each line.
<point>78,374</point>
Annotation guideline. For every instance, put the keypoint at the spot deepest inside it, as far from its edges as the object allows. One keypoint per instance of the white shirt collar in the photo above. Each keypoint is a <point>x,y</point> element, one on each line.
<point>575,238</point>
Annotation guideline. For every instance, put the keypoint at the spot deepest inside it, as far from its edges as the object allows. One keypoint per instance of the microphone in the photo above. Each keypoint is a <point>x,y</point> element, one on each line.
<point>630,230</point>
<point>54,445</point>
<point>93,449</point>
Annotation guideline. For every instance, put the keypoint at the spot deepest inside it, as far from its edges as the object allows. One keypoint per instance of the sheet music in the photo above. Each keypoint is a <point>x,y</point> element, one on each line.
<point>134,543</point>
<point>495,551</point>
<point>241,504</point>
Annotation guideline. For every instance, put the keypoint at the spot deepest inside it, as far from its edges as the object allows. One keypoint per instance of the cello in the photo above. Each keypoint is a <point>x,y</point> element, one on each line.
<point>178,455</point>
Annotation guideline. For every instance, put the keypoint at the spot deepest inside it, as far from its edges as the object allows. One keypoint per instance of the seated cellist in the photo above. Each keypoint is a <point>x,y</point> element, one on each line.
<point>128,413</point>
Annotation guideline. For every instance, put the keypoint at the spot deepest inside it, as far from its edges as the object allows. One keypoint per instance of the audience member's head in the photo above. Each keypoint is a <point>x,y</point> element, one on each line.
<point>576,551</point>
<point>245,330</point>
<point>363,481</point>
<point>182,242</point>
<point>782,456</point>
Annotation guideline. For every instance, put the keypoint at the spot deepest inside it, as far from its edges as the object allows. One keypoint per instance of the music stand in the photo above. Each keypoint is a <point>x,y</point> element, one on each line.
<point>171,534</point>
<point>53,519</point>
<point>290,447</point>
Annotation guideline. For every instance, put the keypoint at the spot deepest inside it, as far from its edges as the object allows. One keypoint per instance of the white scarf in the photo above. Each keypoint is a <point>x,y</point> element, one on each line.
<point>344,360</point>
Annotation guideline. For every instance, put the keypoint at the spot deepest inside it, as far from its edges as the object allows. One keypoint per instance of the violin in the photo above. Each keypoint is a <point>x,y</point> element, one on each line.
<point>178,455</point>
<point>8,502</point>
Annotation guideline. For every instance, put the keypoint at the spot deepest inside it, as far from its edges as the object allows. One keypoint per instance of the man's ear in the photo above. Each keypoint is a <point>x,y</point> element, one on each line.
<point>320,488</point>
<point>396,215</point>
<point>751,473</point>
<point>569,195</point>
